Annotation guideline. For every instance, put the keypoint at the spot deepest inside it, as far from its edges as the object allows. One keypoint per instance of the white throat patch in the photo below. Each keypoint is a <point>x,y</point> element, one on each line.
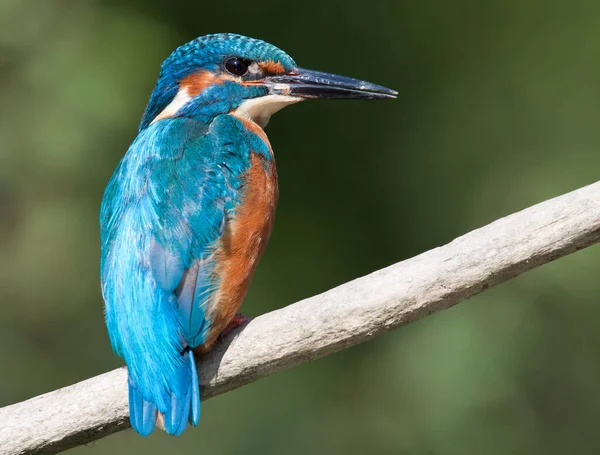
<point>260,109</point>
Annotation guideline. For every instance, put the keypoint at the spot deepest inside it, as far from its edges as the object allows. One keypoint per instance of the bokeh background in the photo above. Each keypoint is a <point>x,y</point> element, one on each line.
<point>499,109</point>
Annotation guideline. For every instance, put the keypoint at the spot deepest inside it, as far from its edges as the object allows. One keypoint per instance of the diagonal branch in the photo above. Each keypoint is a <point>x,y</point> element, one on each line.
<point>342,317</point>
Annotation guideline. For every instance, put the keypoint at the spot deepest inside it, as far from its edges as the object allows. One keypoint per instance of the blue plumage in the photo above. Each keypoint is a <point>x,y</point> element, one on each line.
<point>188,211</point>
<point>162,212</point>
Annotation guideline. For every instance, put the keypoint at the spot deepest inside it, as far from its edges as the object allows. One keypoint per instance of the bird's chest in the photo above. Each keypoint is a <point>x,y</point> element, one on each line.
<point>243,242</point>
<point>249,226</point>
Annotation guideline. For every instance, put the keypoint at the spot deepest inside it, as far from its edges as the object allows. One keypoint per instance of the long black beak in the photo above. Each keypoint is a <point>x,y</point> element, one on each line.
<point>303,83</point>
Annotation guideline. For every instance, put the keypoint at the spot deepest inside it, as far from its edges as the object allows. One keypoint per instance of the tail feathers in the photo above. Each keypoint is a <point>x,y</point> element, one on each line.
<point>142,413</point>
<point>182,409</point>
<point>187,408</point>
<point>195,391</point>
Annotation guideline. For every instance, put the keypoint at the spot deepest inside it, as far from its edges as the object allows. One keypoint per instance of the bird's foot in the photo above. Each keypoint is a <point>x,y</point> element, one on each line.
<point>238,320</point>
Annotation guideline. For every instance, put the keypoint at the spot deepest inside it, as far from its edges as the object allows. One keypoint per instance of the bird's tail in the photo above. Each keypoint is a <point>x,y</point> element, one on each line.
<point>180,410</point>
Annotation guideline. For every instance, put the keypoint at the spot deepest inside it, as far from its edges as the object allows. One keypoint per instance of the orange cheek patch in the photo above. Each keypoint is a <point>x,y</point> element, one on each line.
<point>197,82</point>
<point>271,67</point>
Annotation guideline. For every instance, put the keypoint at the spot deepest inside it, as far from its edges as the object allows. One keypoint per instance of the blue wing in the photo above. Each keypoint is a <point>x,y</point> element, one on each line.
<point>162,216</point>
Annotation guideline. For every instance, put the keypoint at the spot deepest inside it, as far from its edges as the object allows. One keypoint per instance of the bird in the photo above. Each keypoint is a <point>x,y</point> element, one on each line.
<point>188,211</point>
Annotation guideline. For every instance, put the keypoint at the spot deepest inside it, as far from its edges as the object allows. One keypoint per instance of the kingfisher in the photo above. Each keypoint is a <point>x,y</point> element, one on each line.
<point>189,209</point>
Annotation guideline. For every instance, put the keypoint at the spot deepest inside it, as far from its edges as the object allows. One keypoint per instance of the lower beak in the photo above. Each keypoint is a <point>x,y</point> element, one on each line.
<point>303,83</point>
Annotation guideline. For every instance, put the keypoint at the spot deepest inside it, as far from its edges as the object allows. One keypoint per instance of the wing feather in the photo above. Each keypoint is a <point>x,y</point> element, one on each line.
<point>162,218</point>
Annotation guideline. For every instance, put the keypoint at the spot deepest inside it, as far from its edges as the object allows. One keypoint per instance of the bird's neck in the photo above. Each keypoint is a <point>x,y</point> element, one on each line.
<point>213,100</point>
<point>264,148</point>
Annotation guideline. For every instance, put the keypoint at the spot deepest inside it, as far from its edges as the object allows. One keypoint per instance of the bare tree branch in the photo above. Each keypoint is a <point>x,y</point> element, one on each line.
<point>342,317</point>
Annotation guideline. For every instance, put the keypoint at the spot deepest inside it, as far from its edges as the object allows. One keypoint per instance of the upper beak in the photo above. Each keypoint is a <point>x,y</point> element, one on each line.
<point>303,83</point>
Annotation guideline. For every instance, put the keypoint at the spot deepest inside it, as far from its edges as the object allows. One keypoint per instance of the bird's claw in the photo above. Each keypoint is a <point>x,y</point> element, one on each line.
<point>238,320</point>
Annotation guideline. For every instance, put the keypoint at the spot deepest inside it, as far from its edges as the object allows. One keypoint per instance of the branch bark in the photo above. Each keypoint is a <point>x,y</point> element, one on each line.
<point>339,318</point>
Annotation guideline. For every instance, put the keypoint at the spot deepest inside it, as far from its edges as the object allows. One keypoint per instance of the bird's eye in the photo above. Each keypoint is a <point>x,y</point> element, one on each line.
<point>236,66</point>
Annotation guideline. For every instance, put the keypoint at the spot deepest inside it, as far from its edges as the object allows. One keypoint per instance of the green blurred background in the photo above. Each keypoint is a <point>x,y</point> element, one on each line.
<point>498,109</point>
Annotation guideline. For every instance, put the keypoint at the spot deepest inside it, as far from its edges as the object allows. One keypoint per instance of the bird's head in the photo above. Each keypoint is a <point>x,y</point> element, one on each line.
<point>227,73</point>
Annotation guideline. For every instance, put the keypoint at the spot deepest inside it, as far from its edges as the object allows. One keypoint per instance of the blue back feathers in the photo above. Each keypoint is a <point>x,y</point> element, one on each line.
<point>162,215</point>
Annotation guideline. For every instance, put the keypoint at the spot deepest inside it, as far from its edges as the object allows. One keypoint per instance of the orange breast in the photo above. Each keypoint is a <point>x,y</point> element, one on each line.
<point>243,243</point>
